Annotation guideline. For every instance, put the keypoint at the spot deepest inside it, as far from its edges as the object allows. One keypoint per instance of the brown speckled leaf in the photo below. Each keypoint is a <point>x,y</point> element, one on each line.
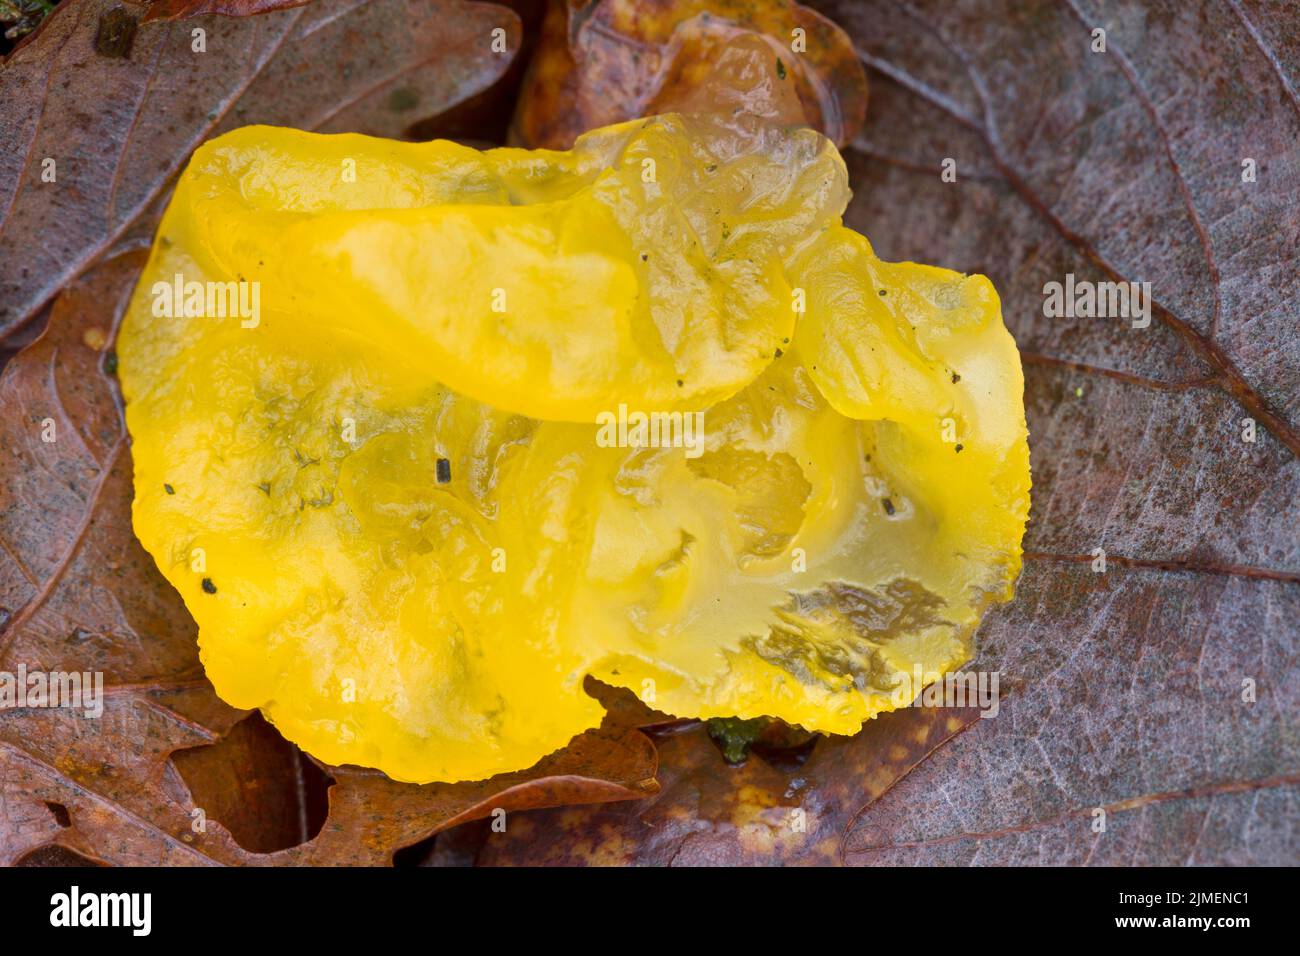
<point>605,61</point>
<point>1132,703</point>
<point>185,9</point>
<point>120,105</point>
<point>1124,164</point>
<point>1123,690</point>
<point>709,813</point>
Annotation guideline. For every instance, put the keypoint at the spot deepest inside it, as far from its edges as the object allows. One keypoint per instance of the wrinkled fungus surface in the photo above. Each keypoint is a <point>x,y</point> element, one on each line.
<point>409,504</point>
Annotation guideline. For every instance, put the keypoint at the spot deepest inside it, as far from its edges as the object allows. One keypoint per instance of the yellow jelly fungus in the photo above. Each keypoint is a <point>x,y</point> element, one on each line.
<point>643,266</point>
<point>408,526</point>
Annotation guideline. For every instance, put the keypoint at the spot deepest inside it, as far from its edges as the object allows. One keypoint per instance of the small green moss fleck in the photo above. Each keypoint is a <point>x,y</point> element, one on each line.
<point>735,736</point>
<point>403,99</point>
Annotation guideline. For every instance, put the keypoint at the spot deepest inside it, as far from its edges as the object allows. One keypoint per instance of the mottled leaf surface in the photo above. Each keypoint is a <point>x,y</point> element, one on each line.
<point>118,106</point>
<point>709,813</point>
<point>184,9</point>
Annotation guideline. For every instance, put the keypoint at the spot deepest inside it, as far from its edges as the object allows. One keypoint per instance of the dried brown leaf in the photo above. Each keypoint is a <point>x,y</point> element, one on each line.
<point>118,106</point>
<point>186,9</point>
<point>605,61</point>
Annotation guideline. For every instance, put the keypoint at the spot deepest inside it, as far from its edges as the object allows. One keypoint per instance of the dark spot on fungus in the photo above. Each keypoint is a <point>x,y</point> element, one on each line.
<point>679,383</point>
<point>889,506</point>
<point>779,353</point>
<point>883,292</point>
<point>208,586</point>
<point>959,448</point>
<point>169,489</point>
<point>116,34</point>
<point>443,471</point>
<point>955,378</point>
<point>323,500</point>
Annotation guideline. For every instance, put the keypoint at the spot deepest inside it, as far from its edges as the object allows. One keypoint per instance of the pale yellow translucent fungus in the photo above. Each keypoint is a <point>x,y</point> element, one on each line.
<point>807,563</point>
<point>398,516</point>
<point>643,266</point>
